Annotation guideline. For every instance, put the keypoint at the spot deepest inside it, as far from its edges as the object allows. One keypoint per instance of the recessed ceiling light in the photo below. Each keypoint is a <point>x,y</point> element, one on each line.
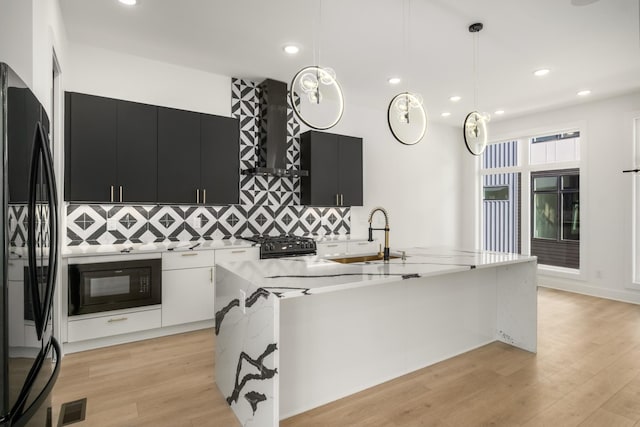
<point>291,49</point>
<point>394,80</point>
<point>584,92</point>
<point>541,72</point>
<point>455,98</point>
<point>445,114</point>
<point>499,112</point>
<point>129,2</point>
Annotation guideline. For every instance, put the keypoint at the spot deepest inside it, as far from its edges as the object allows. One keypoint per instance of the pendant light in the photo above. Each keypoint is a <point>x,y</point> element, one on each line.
<point>406,116</point>
<point>474,128</point>
<point>315,94</point>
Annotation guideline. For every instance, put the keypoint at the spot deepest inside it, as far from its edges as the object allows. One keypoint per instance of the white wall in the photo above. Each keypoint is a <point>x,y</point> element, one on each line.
<point>606,128</point>
<point>113,74</point>
<point>16,36</point>
<point>420,186</point>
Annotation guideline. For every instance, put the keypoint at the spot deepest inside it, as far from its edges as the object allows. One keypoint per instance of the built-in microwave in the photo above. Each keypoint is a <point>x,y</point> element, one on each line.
<point>114,285</point>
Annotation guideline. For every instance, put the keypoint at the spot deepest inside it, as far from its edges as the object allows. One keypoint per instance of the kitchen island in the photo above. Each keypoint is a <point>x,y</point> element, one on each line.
<point>296,333</point>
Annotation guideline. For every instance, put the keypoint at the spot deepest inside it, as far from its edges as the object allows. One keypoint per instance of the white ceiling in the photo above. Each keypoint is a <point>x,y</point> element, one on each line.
<point>594,46</point>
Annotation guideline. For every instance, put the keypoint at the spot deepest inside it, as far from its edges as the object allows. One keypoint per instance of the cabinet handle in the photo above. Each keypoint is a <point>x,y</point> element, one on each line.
<point>112,193</point>
<point>332,246</point>
<point>117,319</point>
<point>211,275</point>
<point>121,193</point>
<point>341,199</point>
<point>204,196</point>
<point>363,243</point>
<point>190,254</point>
<point>239,251</point>
<point>337,202</point>
<point>197,195</point>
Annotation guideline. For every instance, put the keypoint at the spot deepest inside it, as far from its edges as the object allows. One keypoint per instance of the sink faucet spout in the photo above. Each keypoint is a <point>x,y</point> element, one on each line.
<point>386,229</point>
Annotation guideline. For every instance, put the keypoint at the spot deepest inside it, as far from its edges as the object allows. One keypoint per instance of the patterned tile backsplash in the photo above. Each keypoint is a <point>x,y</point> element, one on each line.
<point>268,205</point>
<point>115,224</point>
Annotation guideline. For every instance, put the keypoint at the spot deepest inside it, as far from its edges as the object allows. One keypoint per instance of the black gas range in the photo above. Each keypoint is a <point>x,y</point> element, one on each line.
<point>283,246</point>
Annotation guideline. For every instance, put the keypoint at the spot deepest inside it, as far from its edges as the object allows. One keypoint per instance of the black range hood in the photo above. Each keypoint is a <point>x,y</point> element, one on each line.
<point>272,150</point>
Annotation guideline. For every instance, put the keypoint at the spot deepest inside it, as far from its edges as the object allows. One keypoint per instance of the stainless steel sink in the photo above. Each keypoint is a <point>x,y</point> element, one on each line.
<point>361,258</point>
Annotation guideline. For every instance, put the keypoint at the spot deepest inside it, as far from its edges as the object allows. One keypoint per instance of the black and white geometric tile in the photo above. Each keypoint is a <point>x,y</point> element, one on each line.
<point>88,224</point>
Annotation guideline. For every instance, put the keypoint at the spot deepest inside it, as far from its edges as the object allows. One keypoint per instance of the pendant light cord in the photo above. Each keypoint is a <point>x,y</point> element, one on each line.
<point>476,47</point>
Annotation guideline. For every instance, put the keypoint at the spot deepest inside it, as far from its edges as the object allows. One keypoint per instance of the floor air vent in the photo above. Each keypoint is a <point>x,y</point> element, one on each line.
<point>72,412</point>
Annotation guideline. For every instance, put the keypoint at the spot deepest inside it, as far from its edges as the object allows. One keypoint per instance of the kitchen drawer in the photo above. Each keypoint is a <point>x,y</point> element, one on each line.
<point>187,259</point>
<point>240,254</point>
<point>330,249</point>
<point>104,326</point>
<point>363,247</point>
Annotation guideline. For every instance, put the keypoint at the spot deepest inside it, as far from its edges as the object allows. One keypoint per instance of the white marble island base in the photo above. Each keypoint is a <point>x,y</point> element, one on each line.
<point>363,325</point>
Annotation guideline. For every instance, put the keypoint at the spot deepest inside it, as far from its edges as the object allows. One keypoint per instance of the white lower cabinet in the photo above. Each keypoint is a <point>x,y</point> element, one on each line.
<point>341,248</point>
<point>87,328</point>
<point>331,249</point>
<point>187,295</point>
<point>363,247</point>
<point>187,287</point>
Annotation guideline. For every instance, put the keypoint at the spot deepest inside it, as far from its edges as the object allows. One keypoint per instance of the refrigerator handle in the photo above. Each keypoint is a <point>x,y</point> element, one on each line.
<point>42,303</point>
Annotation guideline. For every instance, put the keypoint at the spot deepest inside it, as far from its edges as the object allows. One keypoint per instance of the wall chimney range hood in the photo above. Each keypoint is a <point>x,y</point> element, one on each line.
<point>272,149</point>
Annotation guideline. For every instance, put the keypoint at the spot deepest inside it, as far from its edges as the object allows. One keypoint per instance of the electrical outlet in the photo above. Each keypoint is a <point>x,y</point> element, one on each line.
<point>197,222</point>
<point>111,225</point>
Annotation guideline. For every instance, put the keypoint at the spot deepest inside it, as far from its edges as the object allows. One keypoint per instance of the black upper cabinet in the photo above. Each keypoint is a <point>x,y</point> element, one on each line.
<point>178,156</point>
<point>90,148</point>
<point>198,158</point>
<point>120,151</point>
<point>219,159</point>
<point>137,159</point>
<point>350,170</point>
<point>110,150</point>
<point>334,163</point>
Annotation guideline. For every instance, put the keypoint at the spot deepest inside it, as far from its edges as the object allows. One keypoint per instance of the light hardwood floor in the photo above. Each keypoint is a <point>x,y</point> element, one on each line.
<point>586,373</point>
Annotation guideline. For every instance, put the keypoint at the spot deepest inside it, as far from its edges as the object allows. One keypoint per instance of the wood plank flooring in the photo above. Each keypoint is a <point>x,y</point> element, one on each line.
<point>586,373</point>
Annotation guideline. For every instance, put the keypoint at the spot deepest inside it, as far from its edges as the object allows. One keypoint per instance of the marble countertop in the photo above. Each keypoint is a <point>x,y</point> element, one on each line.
<point>234,243</point>
<point>90,250</point>
<point>297,276</point>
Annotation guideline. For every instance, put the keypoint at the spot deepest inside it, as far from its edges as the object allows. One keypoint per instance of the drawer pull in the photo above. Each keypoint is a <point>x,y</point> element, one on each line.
<point>117,319</point>
<point>190,254</point>
<point>239,252</point>
<point>363,243</point>
<point>332,246</point>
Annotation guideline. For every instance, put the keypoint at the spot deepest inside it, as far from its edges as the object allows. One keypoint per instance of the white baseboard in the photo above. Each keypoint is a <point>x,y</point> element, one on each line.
<point>580,287</point>
<point>74,347</point>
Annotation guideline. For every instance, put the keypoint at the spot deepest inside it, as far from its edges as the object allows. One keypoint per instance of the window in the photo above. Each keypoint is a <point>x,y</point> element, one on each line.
<point>530,197</point>
<point>555,217</point>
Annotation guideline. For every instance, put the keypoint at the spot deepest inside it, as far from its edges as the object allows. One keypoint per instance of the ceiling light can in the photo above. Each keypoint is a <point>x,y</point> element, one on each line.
<point>455,98</point>
<point>541,72</point>
<point>394,80</point>
<point>584,92</point>
<point>291,49</point>
<point>129,2</point>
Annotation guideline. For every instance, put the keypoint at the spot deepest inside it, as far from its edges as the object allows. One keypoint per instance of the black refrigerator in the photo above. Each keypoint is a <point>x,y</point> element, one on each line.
<point>29,354</point>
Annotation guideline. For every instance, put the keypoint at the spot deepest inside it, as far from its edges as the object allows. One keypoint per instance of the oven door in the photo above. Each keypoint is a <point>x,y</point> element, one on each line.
<point>112,286</point>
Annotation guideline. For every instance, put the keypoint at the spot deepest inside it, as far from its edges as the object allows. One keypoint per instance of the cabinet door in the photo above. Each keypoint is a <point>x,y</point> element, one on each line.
<point>220,159</point>
<point>137,163</point>
<point>319,155</point>
<point>91,146</point>
<point>187,296</point>
<point>178,156</point>
<point>350,166</point>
